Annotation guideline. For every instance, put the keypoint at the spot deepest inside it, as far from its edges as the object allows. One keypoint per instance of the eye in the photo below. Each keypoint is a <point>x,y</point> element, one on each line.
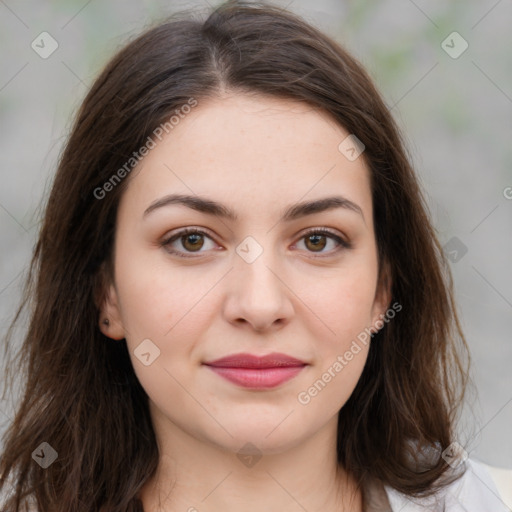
<point>190,239</point>
<point>316,240</point>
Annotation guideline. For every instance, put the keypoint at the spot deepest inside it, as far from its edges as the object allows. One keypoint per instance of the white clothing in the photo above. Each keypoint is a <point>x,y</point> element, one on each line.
<point>481,488</point>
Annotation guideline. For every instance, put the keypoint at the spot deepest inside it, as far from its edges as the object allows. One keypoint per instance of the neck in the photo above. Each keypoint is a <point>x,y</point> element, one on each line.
<point>198,476</point>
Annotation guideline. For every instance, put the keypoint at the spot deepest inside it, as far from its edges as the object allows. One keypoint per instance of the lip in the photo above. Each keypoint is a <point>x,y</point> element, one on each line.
<point>257,372</point>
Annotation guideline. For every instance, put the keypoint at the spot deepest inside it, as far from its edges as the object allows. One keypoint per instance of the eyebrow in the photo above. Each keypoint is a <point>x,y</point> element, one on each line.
<point>292,212</point>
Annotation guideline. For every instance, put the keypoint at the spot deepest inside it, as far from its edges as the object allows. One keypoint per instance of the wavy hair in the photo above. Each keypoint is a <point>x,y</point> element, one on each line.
<point>80,393</point>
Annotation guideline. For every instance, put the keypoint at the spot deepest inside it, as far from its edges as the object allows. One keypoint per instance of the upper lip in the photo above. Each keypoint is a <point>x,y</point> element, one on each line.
<point>274,360</point>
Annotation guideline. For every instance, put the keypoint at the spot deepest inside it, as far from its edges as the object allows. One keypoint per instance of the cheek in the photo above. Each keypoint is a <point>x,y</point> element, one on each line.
<point>342,355</point>
<point>146,304</point>
<point>344,303</point>
<point>153,297</point>
<point>167,306</point>
<point>328,392</point>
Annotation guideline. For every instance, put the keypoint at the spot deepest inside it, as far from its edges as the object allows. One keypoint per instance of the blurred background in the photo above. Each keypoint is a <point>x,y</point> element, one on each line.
<point>445,71</point>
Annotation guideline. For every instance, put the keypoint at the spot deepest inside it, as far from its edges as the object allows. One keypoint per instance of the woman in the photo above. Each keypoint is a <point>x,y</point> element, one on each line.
<point>239,301</point>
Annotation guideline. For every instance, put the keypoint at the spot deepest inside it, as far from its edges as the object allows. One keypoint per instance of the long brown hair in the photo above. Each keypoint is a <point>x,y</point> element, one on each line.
<point>80,392</point>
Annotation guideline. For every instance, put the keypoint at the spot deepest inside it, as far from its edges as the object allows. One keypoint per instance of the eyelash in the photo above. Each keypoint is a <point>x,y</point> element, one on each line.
<point>193,231</point>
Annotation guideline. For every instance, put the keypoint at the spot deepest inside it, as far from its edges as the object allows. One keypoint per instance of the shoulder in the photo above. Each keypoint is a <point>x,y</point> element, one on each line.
<point>481,487</point>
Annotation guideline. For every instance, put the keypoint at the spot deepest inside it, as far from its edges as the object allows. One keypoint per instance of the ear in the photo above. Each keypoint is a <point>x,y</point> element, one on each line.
<point>383,297</point>
<point>106,299</point>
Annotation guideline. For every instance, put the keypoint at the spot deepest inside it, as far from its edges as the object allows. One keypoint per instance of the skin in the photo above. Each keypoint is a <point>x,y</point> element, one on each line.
<point>256,155</point>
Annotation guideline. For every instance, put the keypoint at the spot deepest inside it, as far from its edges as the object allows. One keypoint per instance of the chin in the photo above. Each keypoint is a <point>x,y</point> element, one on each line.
<point>269,435</point>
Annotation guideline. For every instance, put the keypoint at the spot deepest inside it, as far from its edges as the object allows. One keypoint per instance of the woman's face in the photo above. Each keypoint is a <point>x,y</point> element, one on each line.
<point>266,279</point>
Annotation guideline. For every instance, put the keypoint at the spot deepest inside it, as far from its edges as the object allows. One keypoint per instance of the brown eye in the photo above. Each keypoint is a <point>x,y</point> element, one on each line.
<point>317,242</point>
<point>192,242</point>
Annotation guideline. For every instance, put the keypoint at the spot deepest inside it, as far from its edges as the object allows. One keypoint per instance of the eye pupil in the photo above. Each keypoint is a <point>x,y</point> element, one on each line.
<point>195,236</point>
<point>315,244</point>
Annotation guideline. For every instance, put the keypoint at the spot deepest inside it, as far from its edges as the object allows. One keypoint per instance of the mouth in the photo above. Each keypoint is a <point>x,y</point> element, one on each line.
<point>257,372</point>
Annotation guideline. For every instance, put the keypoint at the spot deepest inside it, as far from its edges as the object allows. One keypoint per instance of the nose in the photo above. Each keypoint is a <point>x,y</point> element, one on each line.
<point>258,294</point>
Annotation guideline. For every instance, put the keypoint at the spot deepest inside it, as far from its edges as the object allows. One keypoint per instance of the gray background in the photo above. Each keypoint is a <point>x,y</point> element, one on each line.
<point>455,113</point>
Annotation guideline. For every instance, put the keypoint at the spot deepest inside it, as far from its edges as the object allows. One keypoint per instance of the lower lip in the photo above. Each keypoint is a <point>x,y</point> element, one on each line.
<point>257,378</point>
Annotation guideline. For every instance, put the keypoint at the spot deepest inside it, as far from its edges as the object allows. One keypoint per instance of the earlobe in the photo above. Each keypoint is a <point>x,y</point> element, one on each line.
<point>110,322</point>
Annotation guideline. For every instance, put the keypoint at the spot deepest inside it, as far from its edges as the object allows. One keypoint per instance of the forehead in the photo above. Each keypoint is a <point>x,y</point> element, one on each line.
<point>245,150</point>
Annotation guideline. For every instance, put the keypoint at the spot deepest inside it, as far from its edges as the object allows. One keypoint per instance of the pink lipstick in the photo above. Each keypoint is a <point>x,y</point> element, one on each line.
<point>257,372</point>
